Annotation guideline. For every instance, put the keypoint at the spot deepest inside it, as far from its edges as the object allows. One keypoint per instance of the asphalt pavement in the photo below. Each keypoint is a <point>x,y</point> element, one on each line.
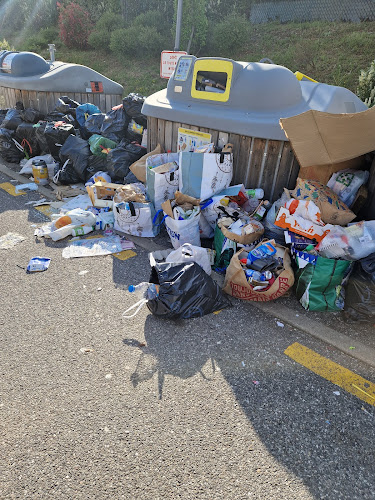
<point>97,407</point>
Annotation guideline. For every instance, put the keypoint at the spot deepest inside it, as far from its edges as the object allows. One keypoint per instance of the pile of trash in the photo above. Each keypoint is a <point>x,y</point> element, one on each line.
<point>308,238</point>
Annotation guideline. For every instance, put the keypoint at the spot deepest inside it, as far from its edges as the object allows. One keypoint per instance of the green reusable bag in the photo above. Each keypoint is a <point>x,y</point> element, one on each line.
<point>99,143</point>
<point>319,285</point>
<point>225,249</point>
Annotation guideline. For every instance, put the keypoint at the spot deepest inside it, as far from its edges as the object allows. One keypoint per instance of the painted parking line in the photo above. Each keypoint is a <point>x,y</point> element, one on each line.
<point>47,210</point>
<point>10,189</point>
<point>335,373</point>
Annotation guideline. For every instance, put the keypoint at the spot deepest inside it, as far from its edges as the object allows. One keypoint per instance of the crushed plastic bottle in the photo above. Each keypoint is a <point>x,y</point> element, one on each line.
<point>148,291</point>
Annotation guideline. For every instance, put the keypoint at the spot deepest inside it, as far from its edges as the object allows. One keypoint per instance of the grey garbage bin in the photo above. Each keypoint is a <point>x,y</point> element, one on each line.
<point>29,78</point>
<point>242,103</point>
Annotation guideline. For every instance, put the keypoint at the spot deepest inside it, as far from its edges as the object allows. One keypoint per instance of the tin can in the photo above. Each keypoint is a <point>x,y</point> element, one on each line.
<point>40,172</point>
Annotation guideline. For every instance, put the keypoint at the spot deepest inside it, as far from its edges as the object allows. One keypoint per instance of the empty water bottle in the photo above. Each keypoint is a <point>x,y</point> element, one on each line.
<point>148,291</point>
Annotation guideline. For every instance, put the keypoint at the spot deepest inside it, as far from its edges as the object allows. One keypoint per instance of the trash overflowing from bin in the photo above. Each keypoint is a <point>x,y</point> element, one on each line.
<point>313,239</point>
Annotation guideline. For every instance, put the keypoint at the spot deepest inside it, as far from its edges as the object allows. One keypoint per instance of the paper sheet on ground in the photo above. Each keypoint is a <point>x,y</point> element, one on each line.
<point>96,246</point>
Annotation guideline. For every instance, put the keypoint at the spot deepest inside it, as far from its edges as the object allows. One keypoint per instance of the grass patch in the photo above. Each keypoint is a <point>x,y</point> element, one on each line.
<point>332,53</point>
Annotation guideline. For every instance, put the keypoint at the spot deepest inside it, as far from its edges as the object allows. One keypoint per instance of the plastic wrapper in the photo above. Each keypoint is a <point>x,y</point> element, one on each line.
<point>190,253</point>
<point>114,125</point>
<point>346,184</point>
<point>56,133</point>
<point>31,115</point>
<point>8,149</point>
<point>360,291</point>
<point>120,158</point>
<point>134,131</point>
<point>354,242</point>
<point>133,108</point>
<point>77,151</point>
<point>12,119</point>
<point>66,105</point>
<point>26,136</point>
<point>186,291</point>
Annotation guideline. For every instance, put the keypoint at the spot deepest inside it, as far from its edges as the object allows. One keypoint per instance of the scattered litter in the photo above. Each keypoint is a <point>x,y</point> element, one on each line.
<point>106,429</point>
<point>10,240</point>
<point>81,201</point>
<point>255,382</point>
<point>100,289</point>
<point>218,342</point>
<point>328,422</point>
<point>281,325</point>
<point>38,264</point>
<point>93,247</point>
<point>243,363</point>
<point>43,201</point>
<point>108,376</point>
<point>297,315</point>
<point>351,347</point>
<point>86,350</point>
<point>368,413</point>
<point>31,186</point>
<point>337,393</point>
<point>82,273</point>
<point>217,312</point>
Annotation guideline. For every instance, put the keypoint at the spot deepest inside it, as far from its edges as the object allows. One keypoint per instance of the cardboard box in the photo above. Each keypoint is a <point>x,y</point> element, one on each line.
<point>324,143</point>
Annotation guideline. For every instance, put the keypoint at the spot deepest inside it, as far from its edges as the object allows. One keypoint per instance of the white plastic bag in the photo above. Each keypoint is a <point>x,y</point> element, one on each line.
<point>184,231</point>
<point>354,242</point>
<point>28,166</point>
<point>190,253</point>
<point>346,184</point>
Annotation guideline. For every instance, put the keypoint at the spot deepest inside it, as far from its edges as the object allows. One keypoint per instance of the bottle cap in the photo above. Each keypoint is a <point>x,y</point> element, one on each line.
<point>243,261</point>
<point>131,288</point>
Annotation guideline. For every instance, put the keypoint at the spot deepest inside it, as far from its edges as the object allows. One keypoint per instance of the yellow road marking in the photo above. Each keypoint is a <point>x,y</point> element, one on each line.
<point>335,373</point>
<point>46,210</point>
<point>10,189</point>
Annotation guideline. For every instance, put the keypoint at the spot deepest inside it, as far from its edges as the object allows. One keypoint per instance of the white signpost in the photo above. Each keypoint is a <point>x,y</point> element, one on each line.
<point>168,62</point>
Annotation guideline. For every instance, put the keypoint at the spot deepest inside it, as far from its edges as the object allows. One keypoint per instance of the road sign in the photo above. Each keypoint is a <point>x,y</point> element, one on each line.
<point>168,62</point>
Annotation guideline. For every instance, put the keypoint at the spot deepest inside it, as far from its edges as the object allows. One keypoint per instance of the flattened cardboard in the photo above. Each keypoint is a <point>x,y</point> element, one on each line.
<point>320,138</point>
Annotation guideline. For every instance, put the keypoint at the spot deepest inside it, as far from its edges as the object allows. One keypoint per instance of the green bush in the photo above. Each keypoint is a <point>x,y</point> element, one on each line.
<point>152,19</point>
<point>39,41</point>
<point>366,85</point>
<point>137,41</point>
<point>100,38</point>
<point>230,35</point>
<point>4,45</point>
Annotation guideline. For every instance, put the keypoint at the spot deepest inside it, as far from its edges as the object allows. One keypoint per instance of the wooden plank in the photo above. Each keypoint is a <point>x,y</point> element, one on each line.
<point>294,170</point>
<point>160,131</point>
<point>255,165</point>
<point>153,133</point>
<point>240,176</point>
<point>168,136</point>
<point>282,176</point>
<point>25,98</point>
<point>271,164</point>
<point>103,107</point>
<point>32,99</point>
<point>214,136</point>
<point>235,140</point>
<point>148,134</point>
<point>175,128</point>
<point>107,103</point>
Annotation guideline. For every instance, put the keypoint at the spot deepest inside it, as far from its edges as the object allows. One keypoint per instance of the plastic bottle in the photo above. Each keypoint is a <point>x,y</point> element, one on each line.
<point>262,209</point>
<point>146,290</point>
<point>81,230</point>
<point>258,276</point>
<point>255,193</point>
<point>263,251</point>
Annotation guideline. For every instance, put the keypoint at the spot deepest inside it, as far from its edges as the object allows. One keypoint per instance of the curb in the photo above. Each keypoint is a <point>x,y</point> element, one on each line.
<point>345,344</point>
<point>23,180</point>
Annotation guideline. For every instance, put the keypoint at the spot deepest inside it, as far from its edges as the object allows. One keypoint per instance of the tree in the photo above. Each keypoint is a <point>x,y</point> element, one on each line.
<point>194,19</point>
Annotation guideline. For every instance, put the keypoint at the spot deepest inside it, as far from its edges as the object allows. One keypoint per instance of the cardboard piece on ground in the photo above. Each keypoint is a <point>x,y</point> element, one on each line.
<point>139,167</point>
<point>330,141</point>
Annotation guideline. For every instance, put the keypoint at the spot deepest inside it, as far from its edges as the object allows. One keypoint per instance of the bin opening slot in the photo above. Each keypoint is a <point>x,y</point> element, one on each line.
<point>211,81</point>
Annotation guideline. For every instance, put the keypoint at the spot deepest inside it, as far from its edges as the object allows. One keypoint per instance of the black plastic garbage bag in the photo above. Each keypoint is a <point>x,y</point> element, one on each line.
<point>186,291</point>
<point>3,112</point>
<point>55,116</point>
<point>66,105</point>
<point>31,115</point>
<point>133,108</point>
<point>119,159</point>
<point>93,123</point>
<point>360,291</point>
<point>56,134</point>
<point>40,137</point>
<point>12,119</point>
<point>66,174</point>
<point>96,164</point>
<point>115,124</point>
<point>8,148</point>
<point>26,136</point>
<point>70,119</point>
<point>76,150</point>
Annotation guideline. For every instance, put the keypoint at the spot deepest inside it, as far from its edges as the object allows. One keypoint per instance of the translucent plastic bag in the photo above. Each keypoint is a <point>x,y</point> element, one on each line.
<point>190,253</point>
<point>354,242</point>
<point>346,184</point>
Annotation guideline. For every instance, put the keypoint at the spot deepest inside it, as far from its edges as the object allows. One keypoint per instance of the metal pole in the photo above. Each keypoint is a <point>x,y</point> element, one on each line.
<point>178,25</point>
